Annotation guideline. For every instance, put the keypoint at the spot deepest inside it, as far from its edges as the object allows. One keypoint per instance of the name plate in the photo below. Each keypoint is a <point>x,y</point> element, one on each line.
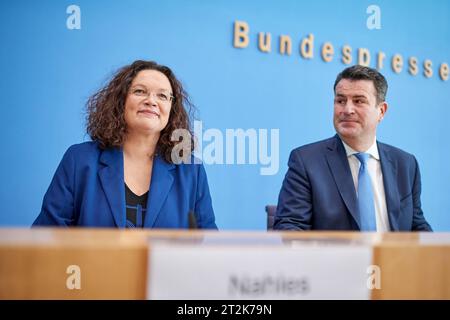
<point>210,271</point>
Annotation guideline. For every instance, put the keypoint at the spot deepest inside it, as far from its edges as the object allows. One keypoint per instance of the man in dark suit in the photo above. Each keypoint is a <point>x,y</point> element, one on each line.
<point>352,181</point>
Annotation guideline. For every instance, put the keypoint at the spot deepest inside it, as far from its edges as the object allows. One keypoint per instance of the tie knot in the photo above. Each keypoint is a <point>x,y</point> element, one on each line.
<point>362,157</point>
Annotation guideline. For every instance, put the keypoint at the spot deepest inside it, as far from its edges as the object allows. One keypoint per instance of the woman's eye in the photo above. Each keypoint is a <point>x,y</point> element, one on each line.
<point>163,96</point>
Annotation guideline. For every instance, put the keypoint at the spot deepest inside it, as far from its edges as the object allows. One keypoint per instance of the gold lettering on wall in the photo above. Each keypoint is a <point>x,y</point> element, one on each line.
<point>427,71</point>
<point>363,57</point>
<point>380,59</point>
<point>443,71</point>
<point>240,39</point>
<point>397,63</point>
<point>413,70</point>
<point>307,47</point>
<point>346,54</point>
<point>264,41</point>
<point>327,52</point>
<point>285,45</point>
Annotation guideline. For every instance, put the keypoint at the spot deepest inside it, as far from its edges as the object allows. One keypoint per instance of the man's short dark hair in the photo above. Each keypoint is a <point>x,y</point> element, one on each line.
<point>358,72</point>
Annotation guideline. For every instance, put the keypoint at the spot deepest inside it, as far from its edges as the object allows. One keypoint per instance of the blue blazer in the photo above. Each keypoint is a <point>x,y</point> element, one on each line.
<point>318,190</point>
<point>88,189</point>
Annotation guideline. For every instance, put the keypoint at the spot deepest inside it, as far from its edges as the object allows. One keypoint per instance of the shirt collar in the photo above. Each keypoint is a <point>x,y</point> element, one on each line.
<point>373,150</point>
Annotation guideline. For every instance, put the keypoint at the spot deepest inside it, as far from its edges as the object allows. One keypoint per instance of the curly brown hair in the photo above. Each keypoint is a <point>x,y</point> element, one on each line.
<point>105,109</point>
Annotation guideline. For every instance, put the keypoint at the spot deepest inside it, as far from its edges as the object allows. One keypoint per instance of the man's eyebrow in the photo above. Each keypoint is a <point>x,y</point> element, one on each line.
<point>359,96</point>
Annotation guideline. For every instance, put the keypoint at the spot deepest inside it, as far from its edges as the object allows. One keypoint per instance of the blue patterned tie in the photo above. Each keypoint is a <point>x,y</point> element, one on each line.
<point>365,195</point>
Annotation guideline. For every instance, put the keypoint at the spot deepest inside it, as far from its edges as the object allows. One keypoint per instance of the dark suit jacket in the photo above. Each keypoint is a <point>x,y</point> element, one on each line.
<point>88,189</point>
<point>318,191</point>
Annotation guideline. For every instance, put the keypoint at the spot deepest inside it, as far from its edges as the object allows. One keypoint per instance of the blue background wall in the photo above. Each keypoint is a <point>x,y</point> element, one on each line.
<point>49,71</point>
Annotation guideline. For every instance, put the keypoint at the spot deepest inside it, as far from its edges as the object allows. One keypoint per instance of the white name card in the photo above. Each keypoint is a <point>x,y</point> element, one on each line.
<point>228,272</point>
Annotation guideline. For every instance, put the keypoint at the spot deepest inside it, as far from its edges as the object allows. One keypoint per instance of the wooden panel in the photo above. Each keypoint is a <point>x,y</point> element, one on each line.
<point>413,272</point>
<point>113,263</point>
<point>40,273</point>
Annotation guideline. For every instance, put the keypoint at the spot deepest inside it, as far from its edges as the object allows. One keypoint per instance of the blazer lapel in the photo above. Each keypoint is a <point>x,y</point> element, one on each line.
<point>162,180</point>
<point>338,163</point>
<point>112,181</point>
<point>389,169</point>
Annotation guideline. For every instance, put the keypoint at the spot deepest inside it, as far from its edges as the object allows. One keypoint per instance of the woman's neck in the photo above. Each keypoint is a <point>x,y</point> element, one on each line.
<point>140,146</point>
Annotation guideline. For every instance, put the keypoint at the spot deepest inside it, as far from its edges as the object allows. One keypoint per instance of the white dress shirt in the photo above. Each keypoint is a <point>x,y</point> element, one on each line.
<point>376,175</point>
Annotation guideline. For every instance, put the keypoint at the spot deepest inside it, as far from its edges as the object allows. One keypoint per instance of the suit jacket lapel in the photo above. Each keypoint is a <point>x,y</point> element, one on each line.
<point>112,181</point>
<point>162,180</point>
<point>338,163</point>
<point>389,169</point>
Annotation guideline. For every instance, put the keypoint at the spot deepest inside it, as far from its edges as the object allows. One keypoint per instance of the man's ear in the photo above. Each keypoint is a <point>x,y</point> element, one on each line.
<point>383,106</point>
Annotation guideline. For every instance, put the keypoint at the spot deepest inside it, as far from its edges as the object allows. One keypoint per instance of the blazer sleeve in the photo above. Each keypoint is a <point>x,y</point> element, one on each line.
<point>203,203</point>
<point>294,209</point>
<point>419,223</point>
<point>58,203</point>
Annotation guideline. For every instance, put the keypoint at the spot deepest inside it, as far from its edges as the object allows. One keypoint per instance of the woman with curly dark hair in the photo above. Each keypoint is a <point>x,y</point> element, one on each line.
<point>128,176</point>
